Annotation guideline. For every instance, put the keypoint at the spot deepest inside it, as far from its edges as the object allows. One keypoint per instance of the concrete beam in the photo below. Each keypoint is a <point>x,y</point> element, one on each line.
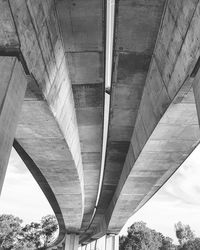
<point>12,90</point>
<point>166,94</point>
<point>48,120</point>
<point>132,55</point>
<point>112,242</point>
<point>135,36</point>
<point>71,242</point>
<point>8,36</point>
<point>172,141</point>
<point>40,137</point>
<point>160,125</point>
<point>82,28</point>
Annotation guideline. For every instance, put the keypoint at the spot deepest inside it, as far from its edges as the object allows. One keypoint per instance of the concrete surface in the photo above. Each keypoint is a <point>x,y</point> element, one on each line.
<point>81,24</point>
<point>48,127</point>
<point>157,127</point>
<point>12,90</point>
<point>153,125</point>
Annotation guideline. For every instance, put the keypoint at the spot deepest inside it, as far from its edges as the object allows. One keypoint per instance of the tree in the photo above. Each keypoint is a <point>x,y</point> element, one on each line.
<point>41,234</point>
<point>191,245</point>
<point>123,241</point>
<point>49,226</point>
<point>186,237</point>
<point>32,236</point>
<point>140,237</point>
<point>183,233</point>
<point>167,243</point>
<point>10,227</point>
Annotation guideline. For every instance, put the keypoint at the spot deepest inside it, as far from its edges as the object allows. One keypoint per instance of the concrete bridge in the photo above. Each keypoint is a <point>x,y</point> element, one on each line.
<point>102,108</point>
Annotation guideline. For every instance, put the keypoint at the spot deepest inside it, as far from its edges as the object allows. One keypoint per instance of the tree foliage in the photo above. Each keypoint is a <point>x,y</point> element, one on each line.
<point>183,233</point>
<point>31,236</point>
<point>10,227</point>
<point>140,237</point>
<point>186,237</point>
<point>191,245</point>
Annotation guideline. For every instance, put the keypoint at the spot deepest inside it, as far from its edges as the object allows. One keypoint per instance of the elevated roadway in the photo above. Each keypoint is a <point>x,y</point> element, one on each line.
<point>53,60</point>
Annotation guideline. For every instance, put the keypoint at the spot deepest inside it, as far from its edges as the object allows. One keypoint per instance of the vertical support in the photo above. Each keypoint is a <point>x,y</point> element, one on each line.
<point>196,90</point>
<point>95,246</point>
<point>71,242</point>
<point>112,242</point>
<point>13,84</point>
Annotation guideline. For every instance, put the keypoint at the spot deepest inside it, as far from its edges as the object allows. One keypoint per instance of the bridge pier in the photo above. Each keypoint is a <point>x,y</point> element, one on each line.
<point>12,89</point>
<point>112,242</point>
<point>71,241</point>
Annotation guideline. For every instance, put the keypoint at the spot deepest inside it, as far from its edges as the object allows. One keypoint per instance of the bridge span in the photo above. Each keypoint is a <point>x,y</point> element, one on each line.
<point>101,100</point>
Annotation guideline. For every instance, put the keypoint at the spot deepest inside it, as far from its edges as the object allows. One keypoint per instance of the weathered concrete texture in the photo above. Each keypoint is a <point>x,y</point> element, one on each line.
<point>81,25</point>
<point>137,25</point>
<point>177,48</point>
<point>162,139</point>
<point>12,90</point>
<point>8,36</point>
<point>51,140</point>
<point>173,139</point>
<point>112,242</point>
<point>71,242</point>
<point>153,122</point>
<point>39,134</point>
<point>37,26</point>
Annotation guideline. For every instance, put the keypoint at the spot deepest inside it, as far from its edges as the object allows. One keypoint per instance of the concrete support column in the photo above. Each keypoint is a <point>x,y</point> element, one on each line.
<point>71,242</point>
<point>112,242</point>
<point>13,84</point>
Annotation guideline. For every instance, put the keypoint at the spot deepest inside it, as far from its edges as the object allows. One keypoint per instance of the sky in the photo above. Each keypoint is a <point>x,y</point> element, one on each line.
<point>177,200</point>
<point>21,195</point>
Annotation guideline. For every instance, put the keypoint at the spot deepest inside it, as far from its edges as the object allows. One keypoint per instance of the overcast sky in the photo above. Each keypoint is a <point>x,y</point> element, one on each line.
<point>178,200</point>
<point>21,195</point>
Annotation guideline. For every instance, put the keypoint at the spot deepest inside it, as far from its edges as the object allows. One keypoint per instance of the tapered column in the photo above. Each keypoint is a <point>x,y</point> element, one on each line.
<point>12,89</point>
<point>112,242</point>
<point>71,242</point>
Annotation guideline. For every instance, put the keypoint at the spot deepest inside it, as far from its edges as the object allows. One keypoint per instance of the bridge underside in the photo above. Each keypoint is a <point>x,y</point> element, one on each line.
<point>58,50</point>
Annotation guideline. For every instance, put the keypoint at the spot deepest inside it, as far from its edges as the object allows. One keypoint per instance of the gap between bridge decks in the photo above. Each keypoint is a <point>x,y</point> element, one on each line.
<point>110,16</point>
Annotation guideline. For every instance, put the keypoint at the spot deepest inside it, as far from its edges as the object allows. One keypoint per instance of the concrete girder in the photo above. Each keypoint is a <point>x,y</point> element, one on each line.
<point>132,55</point>
<point>8,36</point>
<point>130,70</point>
<point>172,62</point>
<point>39,135</point>
<point>38,41</point>
<point>167,118</point>
<point>147,101</point>
<point>81,24</point>
<point>172,141</point>
<point>12,90</point>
